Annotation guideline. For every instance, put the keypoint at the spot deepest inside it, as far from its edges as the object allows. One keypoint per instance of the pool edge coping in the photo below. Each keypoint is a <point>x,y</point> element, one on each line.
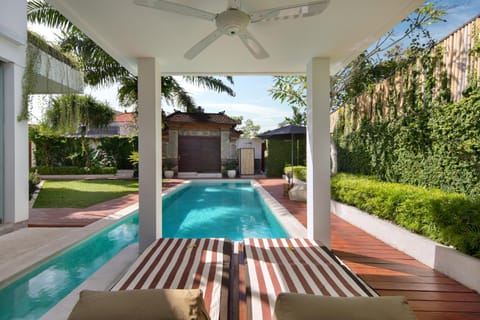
<point>286,219</point>
<point>64,239</point>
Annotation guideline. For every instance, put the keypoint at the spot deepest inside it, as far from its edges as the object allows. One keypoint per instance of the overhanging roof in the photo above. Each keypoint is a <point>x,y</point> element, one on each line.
<point>127,32</point>
<point>284,131</point>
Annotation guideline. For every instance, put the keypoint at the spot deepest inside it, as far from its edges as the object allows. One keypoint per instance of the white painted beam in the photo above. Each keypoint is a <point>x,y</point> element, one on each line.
<point>318,150</point>
<point>150,151</point>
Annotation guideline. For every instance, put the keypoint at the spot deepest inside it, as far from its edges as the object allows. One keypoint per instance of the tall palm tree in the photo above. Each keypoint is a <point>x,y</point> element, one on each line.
<point>100,69</point>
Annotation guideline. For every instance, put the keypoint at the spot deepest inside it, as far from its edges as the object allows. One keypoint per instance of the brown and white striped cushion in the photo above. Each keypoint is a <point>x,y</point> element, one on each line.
<point>296,266</point>
<point>180,264</point>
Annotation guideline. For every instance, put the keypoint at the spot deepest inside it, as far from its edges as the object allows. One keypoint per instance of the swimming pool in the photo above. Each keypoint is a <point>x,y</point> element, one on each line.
<point>198,209</point>
<point>218,209</point>
<point>36,292</point>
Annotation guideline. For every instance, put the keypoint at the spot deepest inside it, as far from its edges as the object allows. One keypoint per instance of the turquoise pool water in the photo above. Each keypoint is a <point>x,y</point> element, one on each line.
<point>232,210</point>
<point>213,209</point>
<point>36,292</point>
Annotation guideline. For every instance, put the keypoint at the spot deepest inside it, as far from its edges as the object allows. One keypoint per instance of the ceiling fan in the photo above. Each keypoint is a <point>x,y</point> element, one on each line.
<point>234,21</point>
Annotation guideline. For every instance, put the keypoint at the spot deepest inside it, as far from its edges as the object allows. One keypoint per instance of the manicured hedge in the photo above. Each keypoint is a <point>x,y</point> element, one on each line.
<point>299,172</point>
<point>449,218</point>
<point>44,170</point>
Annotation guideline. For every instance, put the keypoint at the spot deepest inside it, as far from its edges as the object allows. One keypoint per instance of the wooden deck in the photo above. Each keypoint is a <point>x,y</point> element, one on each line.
<point>431,294</point>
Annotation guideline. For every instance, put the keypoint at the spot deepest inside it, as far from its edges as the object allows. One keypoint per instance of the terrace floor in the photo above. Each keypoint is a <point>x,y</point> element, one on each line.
<point>431,294</point>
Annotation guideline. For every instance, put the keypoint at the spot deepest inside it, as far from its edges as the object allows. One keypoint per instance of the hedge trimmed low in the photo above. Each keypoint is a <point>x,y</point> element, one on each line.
<point>299,172</point>
<point>449,218</point>
<point>64,170</point>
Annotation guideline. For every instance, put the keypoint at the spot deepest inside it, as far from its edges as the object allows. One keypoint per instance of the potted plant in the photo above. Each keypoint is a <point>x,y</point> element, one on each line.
<point>231,166</point>
<point>168,168</point>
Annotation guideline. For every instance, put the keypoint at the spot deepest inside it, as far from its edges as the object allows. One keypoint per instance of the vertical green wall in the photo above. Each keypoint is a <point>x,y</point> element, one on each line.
<point>279,154</point>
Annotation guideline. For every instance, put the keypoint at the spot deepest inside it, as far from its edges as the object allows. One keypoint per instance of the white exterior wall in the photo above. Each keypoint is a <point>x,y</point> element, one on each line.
<point>13,37</point>
<point>255,143</point>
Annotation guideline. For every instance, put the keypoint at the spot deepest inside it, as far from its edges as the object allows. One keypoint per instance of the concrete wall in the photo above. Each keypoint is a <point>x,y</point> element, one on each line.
<point>56,77</point>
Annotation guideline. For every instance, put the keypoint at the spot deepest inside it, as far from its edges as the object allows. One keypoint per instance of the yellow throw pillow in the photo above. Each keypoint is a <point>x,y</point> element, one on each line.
<point>291,306</point>
<point>155,304</point>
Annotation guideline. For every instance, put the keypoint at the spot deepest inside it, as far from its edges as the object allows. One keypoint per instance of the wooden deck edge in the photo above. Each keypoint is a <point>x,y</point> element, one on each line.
<point>458,266</point>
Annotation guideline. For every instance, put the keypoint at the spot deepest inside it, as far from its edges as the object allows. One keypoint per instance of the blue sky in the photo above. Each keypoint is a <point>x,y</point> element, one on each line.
<point>252,100</point>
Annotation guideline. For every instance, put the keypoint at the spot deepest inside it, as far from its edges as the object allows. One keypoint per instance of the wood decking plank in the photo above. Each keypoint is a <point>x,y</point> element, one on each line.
<point>421,315</point>
<point>458,306</point>
<point>432,295</point>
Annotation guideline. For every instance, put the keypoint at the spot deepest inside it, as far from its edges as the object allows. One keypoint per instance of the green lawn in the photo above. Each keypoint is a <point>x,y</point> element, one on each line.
<point>82,193</point>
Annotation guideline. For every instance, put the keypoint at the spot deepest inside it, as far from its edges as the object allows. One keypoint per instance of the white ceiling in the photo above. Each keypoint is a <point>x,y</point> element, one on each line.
<point>127,31</point>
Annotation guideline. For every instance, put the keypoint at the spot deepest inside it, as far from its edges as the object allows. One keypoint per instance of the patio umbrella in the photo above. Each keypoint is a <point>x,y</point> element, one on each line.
<point>287,131</point>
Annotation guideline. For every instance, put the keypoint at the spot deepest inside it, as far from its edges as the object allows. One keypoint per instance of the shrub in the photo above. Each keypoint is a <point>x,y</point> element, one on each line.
<point>120,148</point>
<point>65,170</point>
<point>134,159</point>
<point>33,180</point>
<point>299,172</point>
<point>449,218</point>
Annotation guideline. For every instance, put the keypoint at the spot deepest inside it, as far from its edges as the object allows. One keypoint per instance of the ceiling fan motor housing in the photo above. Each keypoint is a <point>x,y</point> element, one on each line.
<point>232,21</point>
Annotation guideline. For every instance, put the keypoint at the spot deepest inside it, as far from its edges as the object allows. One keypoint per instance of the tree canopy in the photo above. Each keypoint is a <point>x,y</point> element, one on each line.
<point>71,113</point>
<point>390,52</point>
<point>100,69</point>
<point>249,129</point>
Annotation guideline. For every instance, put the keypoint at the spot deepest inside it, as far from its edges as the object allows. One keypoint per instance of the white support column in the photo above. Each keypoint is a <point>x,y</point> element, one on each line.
<point>318,150</point>
<point>15,148</point>
<point>150,151</point>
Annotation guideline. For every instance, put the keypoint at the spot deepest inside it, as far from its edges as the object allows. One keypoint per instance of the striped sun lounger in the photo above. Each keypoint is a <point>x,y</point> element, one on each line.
<point>296,266</point>
<point>185,264</point>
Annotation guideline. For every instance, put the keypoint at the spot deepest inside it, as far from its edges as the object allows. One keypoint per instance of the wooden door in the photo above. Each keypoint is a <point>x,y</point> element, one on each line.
<point>199,154</point>
<point>247,161</point>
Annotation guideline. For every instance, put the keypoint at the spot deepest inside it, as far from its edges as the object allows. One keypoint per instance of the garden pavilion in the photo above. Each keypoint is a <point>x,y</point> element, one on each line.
<point>151,43</point>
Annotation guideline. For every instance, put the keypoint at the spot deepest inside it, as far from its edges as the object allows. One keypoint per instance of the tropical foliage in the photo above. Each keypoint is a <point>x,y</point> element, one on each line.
<point>392,51</point>
<point>69,113</point>
<point>100,69</point>
<point>60,151</point>
<point>419,137</point>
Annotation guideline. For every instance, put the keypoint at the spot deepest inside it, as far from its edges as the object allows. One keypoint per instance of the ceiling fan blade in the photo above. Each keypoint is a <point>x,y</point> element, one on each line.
<point>176,8</point>
<point>253,45</point>
<point>307,9</point>
<point>202,44</point>
<point>234,4</point>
